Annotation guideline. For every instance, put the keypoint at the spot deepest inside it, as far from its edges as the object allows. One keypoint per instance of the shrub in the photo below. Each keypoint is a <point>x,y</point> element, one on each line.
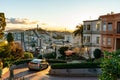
<point>50,55</point>
<point>110,66</point>
<point>97,53</point>
<point>62,57</point>
<point>39,56</point>
<point>22,61</point>
<point>76,57</point>
<point>7,61</point>
<point>56,61</point>
<point>28,55</point>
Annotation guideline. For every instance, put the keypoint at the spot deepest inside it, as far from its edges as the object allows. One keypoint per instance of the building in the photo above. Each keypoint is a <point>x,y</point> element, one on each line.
<point>110,32</point>
<point>27,38</point>
<point>91,35</point>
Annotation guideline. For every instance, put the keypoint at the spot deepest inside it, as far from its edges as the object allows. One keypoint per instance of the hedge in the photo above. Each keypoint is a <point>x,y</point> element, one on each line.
<point>55,61</point>
<point>75,65</point>
<point>21,61</point>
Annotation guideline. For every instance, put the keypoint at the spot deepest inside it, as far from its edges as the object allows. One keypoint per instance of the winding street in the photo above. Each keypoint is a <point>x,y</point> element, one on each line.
<point>24,73</point>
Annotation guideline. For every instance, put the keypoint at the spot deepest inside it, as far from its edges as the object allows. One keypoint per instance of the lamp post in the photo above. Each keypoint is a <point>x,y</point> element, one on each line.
<point>42,51</point>
<point>55,49</point>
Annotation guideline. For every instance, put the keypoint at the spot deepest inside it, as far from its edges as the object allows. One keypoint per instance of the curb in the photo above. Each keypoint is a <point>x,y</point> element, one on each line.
<point>76,72</point>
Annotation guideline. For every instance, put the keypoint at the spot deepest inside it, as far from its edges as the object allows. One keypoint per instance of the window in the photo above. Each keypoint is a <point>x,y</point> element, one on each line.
<point>97,40</point>
<point>84,38</point>
<point>98,27</point>
<point>118,27</point>
<point>88,38</point>
<point>103,40</point>
<point>88,27</point>
<point>109,26</point>
<point>104,26</point>
<point>109,40</point>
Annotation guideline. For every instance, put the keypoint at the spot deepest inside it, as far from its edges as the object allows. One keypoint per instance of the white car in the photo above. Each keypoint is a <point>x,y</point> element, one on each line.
<point>38,64</point>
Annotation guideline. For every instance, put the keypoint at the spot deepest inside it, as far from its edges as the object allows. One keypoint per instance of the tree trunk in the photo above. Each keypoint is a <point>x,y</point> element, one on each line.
<point>11,77</point>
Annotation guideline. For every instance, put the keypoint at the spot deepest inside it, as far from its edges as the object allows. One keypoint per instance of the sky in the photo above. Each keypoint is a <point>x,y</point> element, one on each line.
<point>54,14</point>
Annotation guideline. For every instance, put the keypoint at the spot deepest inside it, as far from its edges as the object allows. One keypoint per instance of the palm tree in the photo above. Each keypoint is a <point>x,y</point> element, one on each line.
<point>79,32</point>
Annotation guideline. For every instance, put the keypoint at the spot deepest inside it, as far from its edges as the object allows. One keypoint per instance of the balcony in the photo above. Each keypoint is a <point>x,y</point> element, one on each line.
<point>91,44</point>
<point>87,32</point>
<point>91,32</point>
<point>107,32</point>
<point>87,44</point>
<point>95,32</point>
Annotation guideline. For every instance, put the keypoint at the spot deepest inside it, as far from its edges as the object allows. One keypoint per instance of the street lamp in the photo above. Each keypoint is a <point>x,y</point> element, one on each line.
<point>42,51</point>
<point>55,49</point>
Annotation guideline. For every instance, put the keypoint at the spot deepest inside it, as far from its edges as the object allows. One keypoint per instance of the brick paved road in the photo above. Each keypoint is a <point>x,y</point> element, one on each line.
<point>41,75</point>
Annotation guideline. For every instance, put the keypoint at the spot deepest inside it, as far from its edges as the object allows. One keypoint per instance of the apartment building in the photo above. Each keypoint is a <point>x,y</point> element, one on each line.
<point>110,32</point>
<point>91,35</point>
<point>28,39</point>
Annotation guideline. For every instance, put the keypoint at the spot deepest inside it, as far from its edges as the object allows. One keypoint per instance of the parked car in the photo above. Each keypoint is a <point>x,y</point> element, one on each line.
<point>38,64</point>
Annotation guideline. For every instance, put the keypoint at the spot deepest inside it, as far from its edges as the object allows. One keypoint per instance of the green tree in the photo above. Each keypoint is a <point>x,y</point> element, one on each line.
<point>4,51</point>
<point>79,32</point>
<point>16,52</point>
<point>62,51</point>
<point>10,37</point>
<point>2,24</point>
<point>97,53</point>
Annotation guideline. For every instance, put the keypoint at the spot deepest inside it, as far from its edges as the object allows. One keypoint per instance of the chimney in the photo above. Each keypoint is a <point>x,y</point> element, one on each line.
<point>112,12</point>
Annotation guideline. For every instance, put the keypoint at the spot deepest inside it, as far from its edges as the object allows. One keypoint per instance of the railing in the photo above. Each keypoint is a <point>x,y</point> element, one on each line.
<point>91,44</point>
<point>91,32</point>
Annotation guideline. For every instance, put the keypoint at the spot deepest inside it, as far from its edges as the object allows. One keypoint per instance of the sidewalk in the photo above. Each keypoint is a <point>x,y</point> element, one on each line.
<point>6,72</point>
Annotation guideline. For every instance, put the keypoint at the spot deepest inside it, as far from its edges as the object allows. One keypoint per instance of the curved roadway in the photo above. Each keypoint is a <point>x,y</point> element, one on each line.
<point>23,72</point>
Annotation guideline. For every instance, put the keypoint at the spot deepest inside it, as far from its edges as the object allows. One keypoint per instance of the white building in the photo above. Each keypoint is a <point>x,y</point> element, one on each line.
<point>91,35</point>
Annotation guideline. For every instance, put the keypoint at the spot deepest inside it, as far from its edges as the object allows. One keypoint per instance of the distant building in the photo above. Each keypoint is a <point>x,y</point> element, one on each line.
<point>110,33</point>
<point>91,35</point>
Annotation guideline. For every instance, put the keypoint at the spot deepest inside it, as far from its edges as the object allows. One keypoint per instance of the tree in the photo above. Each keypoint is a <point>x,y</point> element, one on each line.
<point>16,52</point>
<point>10,37</point>
<point>79,32</point>
<point>4,51</point>
<point>97,53</point>
<point>62,51</point>
<point>2,24</point>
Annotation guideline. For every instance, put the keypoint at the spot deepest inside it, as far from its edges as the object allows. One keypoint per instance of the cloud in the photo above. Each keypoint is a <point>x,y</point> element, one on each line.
<point>20,21</point>
<point>24,24</point>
